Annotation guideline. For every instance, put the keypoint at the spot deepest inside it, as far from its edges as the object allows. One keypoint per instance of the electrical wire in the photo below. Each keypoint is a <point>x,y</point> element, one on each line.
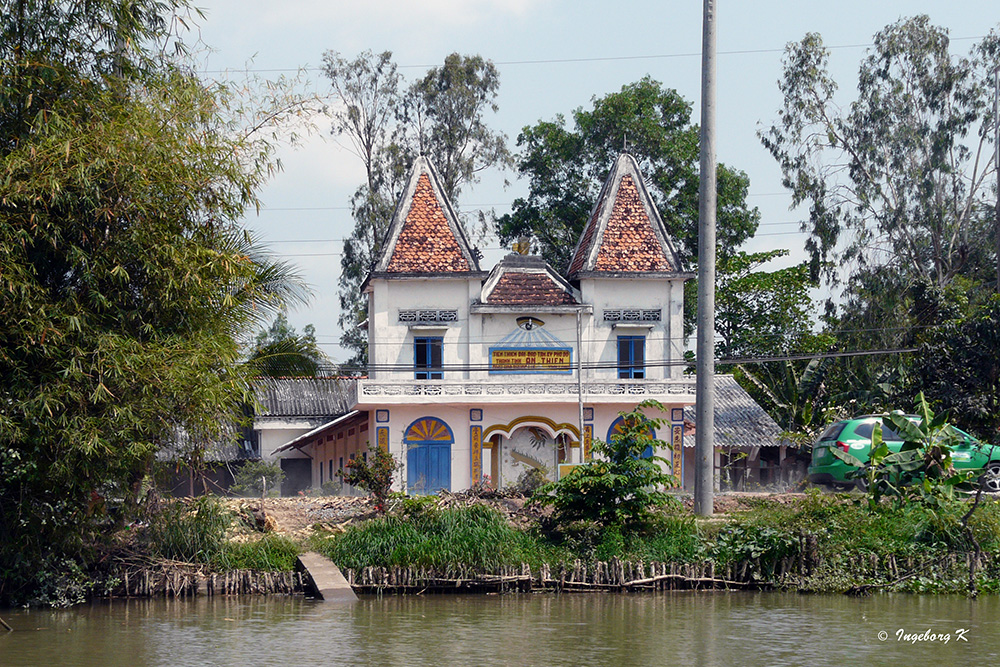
<point>572,61</point>
<point>611,365</point>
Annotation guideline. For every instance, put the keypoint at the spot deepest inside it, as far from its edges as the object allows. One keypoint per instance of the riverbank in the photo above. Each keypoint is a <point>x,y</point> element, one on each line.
<point>811,542</point>
<point>494,542</point>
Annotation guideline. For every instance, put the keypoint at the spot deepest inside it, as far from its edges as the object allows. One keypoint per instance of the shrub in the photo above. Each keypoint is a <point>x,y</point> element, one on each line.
<point>192,531</point>
<point>622,486</point>
<point>374,477</point>
<point>249,478</point>
<point>529,481</point>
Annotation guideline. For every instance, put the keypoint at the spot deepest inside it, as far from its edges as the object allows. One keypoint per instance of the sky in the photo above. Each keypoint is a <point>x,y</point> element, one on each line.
<point>553,57</point>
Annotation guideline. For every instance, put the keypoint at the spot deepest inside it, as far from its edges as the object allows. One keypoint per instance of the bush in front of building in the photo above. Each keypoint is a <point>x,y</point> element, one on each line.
<point>622,485</point>
<point>374,477</point>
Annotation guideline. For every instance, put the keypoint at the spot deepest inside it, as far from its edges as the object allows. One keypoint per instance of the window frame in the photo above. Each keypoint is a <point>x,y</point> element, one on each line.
<point>630,368</point>
<point>424,366</point>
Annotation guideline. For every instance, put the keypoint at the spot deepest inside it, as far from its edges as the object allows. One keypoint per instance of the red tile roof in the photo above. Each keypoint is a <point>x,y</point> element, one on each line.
<point>625,233</point>
<point>516,288</point>
<point>426,243</point>
<point>585,241</point>
<point>629,243</point>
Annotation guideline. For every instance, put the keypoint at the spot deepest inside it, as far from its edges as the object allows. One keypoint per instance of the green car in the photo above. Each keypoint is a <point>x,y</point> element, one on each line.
<point>854,436</point>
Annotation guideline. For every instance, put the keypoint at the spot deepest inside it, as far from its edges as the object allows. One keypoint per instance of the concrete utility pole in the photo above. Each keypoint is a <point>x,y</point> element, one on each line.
<point>996,162</point>
<point>704,448</point>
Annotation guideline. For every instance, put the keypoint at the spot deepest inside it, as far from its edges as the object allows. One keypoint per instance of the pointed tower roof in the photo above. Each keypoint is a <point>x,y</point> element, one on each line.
<point>625,234</point>
<point>425,236</point>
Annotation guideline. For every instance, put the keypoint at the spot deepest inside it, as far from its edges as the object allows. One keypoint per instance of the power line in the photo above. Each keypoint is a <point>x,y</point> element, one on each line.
<point>612,365</point>
<point>573,61</point>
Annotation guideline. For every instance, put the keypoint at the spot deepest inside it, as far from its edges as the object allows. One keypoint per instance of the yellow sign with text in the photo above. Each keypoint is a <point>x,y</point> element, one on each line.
<point>542,360</point>
<point>677,453</point>
<point>476,437</point>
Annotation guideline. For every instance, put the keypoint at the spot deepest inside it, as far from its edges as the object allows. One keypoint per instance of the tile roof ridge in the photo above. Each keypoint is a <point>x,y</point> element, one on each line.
<point>515,263</point>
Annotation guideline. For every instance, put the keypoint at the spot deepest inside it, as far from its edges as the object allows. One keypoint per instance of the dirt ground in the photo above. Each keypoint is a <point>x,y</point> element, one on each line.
<point>299,517</point>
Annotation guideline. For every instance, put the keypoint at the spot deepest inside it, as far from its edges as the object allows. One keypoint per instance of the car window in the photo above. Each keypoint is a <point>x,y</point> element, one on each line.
<point>865,431</point>
<point>833,431</point>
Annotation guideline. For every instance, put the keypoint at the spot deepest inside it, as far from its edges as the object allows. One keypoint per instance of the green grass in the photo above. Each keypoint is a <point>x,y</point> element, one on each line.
<point>270,553</point>
<point>479,537</point>
<point>476,537</point>
<point>844,524</point>
<point>196,532</point>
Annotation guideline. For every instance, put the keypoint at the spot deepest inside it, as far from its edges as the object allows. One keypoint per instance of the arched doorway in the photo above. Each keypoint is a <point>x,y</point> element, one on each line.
<point>528,443</point>
<point>428,443</point>
<point>616,429</point>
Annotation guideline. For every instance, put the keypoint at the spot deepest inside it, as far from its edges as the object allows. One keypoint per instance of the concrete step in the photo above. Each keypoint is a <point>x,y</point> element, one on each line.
<point>324,578</point>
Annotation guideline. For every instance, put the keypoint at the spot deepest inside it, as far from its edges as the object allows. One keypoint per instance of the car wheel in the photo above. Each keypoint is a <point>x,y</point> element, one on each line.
<point>861,484</point>
<point>990,479</point>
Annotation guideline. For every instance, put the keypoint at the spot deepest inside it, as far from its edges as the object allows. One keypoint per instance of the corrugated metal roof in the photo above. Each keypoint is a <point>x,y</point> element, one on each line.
<point>224,446</point>
<point>303,439</point>
<point>739,420</point>
<point>303,397</point>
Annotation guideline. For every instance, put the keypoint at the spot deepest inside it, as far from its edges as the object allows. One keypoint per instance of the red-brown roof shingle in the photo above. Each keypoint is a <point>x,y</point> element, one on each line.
<point>517,288</point>
<point>629,243</point>
<point>625,233</point>
<point>426,243</point>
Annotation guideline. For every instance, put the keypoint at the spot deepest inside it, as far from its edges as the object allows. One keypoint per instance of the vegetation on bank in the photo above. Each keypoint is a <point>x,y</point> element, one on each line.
<point>834,542</point>
<point>201,531</point>
<point>917,528</point>
<point>920,527</point>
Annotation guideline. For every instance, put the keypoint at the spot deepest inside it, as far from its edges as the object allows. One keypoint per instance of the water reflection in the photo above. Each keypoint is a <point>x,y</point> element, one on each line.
<point>681,628</point>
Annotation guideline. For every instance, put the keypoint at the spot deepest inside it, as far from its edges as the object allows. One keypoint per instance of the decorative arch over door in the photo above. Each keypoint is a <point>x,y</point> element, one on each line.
<point>544,423</point>
<point>428,455</point>
<point>616,428</point>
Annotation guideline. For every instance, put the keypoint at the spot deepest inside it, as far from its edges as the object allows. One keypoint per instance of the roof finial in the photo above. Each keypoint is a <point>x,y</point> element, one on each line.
<point>625,142</point>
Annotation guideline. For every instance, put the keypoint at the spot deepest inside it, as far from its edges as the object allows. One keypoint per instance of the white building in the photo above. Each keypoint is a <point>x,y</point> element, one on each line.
<point>477,377</point>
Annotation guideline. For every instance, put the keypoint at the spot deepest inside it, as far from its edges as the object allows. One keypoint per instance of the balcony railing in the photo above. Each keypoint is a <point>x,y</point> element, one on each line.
<point>390,391</point>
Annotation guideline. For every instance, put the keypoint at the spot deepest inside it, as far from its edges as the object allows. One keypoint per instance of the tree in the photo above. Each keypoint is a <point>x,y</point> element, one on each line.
<point>375,477</point>
<point>769,314</point>
<point>898,189</point>
<point>441,116</point>
<point>125,280</point>
<point>280,351</point>
<point>762,313</point>
<point>900,176</point>
<point>367,94</point>
<point>959,370</point>
<point>566,169</point>
<point>796,400</point>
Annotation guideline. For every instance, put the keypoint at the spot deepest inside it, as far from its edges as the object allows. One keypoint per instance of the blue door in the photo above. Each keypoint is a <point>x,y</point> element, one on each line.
<point>428,468</point>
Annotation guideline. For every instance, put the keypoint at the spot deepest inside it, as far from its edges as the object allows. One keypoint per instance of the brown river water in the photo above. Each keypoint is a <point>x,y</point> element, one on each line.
<point>689,628</point>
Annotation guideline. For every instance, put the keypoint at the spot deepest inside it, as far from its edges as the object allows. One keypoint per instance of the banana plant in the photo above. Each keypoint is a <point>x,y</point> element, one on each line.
<point>921,468</point>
